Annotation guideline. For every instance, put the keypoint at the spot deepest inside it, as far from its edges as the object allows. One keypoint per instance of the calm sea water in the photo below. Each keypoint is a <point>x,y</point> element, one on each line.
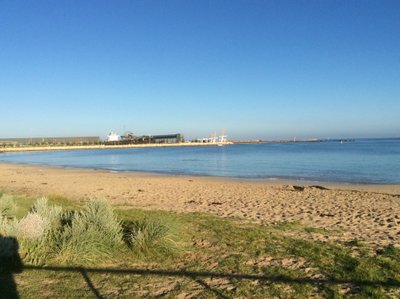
<point>361,161</point>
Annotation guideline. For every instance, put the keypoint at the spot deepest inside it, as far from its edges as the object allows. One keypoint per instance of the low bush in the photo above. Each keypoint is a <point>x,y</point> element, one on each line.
<point>7,205</point>
<point>48,234</point>
<point>31,227</point>
<point>49,214</point>
<point>85,236</point>
<point>147,237</point>
<point>8,225</point>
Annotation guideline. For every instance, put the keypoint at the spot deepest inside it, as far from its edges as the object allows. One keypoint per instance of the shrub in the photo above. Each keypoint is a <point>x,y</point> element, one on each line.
<point>100,214</point>
<point>7,205</point>
<point>88,235</point>
<point>36,251</point>
<point>8,226</point>
<point>49,214</point>
<point>48,234</point>
<point>32,226</point>
<point>149,237</point>
<point>36,232</point>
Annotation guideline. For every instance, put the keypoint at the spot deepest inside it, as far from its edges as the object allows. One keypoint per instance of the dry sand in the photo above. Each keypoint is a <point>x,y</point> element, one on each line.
<point>366,212</point>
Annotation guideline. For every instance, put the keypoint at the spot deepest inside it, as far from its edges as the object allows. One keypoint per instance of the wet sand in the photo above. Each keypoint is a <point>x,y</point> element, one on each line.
<point>366,212</point>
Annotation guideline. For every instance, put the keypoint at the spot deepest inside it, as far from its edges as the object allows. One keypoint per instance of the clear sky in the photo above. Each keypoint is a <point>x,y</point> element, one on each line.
<point>258,68</point>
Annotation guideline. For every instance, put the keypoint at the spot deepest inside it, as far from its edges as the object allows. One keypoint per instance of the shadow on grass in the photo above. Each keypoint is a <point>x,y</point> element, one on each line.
<point>10,263</point>
<point>197,277</point>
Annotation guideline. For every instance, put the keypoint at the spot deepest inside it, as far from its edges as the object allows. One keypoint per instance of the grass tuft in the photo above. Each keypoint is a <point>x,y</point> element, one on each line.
<point>7,205</point>
<point>47,233</point>
<point>148,237</point>
<point>8,226</point>
<point>88,235</point>
<point>31,227</point>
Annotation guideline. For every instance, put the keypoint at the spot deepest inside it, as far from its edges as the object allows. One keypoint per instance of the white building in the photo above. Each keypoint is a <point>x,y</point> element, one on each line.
<point>113,137</point>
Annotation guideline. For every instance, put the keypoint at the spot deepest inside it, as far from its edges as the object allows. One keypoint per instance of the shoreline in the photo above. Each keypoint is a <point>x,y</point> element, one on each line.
<point>103,146</point>
<point>387,188</point>
<point>369,213</point>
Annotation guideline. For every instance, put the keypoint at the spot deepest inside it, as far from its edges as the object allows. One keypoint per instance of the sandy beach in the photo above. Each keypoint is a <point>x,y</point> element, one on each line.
<point>366,212</point>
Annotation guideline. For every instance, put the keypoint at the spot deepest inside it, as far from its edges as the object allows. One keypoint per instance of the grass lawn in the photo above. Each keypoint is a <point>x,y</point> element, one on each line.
<point>215,257</point>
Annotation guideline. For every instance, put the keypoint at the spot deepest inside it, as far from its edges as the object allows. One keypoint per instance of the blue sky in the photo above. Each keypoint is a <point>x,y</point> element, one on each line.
<point>259,69</point>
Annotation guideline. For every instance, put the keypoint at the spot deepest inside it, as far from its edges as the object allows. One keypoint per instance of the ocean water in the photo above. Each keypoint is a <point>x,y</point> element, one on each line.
<point>360,161</point>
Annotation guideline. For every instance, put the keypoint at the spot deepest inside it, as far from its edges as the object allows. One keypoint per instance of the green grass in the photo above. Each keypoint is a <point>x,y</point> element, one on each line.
<point>321,231</point>
<point>222,258</point>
